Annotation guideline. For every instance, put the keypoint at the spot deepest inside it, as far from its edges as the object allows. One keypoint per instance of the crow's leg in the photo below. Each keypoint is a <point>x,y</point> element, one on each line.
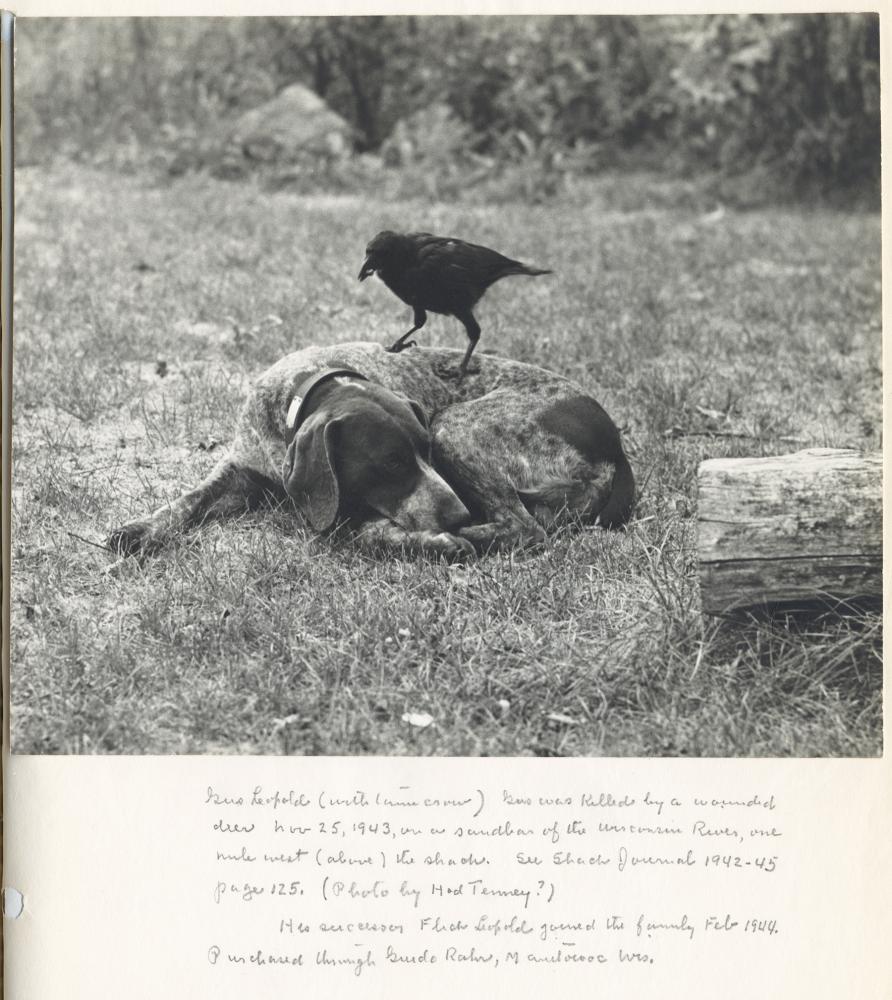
<point>419,320</point>
<point>473,328</point>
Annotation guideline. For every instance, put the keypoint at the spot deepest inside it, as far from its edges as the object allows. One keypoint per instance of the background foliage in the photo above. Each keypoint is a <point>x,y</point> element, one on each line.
<point>762,106</point>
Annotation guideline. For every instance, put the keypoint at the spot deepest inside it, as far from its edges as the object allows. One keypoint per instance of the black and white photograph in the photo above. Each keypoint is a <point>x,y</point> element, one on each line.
<point>464,386</point>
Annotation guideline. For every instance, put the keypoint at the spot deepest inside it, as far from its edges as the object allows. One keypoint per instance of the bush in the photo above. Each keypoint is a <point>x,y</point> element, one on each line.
<point>788,104</point>
<point>794,99</point>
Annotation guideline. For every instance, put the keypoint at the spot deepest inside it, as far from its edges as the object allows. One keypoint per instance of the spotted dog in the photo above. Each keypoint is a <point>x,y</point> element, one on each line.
<point>398,451</point>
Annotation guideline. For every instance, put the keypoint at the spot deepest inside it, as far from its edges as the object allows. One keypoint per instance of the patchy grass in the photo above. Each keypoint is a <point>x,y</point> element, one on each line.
<point>141,313</point>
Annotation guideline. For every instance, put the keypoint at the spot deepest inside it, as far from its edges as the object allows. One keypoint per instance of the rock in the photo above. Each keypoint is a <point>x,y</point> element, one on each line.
<point>295,127</point>
<point>431,133</point>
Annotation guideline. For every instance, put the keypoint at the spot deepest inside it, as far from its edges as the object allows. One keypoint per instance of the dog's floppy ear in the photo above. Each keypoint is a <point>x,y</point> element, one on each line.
<point>308,471</point>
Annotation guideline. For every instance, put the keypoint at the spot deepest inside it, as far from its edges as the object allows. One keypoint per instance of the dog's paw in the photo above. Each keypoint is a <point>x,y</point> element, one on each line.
<point>451,547</point>
<point>482,538</point>
<point>494,537</point>
<point>136,538</point>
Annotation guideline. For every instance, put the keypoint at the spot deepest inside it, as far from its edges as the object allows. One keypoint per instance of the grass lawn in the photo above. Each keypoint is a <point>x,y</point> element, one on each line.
<point>142,310</point>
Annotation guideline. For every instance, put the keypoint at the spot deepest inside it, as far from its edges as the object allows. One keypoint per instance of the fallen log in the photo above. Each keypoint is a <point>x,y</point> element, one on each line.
<point>795,529</point>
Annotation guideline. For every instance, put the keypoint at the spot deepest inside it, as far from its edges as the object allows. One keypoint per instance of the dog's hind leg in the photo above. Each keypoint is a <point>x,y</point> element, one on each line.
<point>468,454</point>
<point>230,489</point>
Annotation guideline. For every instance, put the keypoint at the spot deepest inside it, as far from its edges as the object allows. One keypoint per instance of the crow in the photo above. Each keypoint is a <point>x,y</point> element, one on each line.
<point>438,274</point>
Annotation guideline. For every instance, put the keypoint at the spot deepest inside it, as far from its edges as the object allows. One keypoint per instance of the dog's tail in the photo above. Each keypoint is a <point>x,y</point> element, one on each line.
<point>619,505</point>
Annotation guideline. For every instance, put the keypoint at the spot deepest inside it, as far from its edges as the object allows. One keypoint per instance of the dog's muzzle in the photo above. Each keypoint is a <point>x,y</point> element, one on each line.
<point>432,505</point>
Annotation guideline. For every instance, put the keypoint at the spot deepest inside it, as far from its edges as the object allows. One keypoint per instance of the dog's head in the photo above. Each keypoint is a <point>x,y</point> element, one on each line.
<point>367,449</point>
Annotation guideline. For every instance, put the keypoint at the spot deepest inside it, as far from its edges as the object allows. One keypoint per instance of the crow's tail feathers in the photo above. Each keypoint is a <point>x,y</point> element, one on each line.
<point>526,269</point>
<point>619,506</point>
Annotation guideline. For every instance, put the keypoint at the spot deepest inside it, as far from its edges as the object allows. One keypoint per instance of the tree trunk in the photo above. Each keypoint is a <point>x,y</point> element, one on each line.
<point>802,528</point>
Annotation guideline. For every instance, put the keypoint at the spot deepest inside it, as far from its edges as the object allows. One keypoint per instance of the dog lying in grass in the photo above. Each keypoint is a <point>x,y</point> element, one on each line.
<point>401,453</point>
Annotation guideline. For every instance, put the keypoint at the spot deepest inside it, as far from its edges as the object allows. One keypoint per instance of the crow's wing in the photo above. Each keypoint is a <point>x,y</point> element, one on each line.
<point>450,274</point>
<point>446,251</point>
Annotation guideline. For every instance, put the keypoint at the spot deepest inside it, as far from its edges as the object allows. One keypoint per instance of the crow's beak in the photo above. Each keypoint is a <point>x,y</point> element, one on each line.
<point>367,269</point>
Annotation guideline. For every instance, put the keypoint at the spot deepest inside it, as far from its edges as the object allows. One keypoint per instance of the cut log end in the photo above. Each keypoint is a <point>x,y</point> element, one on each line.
<point>800,528</point>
